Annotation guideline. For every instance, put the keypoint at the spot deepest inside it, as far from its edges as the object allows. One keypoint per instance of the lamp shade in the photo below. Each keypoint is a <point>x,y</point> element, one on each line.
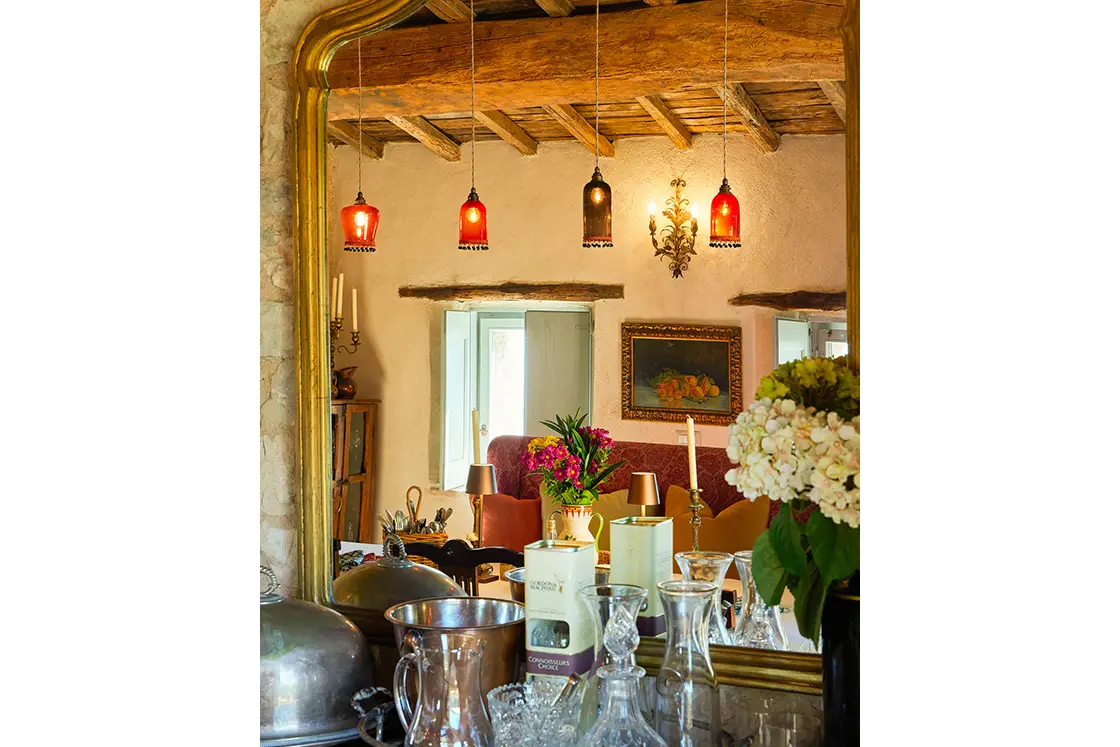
<point>472,224</point>
<point>725,219</point>
<point>482,480</point>
<point>643,489</point>
<point>597,212</point>
<point>359,226</point>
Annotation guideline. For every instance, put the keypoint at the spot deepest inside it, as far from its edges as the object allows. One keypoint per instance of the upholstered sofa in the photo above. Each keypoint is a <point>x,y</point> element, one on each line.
<point>516,516</point>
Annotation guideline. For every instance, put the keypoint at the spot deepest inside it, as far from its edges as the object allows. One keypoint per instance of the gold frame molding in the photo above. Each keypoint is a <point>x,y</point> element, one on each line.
<point>318,43</point>
<point>733,336</point>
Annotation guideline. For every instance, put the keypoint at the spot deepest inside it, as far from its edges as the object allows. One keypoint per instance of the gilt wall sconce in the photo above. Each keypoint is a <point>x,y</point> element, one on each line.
<point>677,243</point>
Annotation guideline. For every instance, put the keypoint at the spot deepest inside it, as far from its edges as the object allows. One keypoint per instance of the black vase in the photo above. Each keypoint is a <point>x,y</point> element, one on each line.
<point>840,659</point>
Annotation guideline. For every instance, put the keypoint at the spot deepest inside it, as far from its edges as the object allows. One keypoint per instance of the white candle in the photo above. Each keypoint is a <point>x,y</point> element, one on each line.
<point>691,454</point>
<point>354,307</point>
<point>341,279</point>
<point>334,295</point>
<point>652,208</point>
<point>474,433</point>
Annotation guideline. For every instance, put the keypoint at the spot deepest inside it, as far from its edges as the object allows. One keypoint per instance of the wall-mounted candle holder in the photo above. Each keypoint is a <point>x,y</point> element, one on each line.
<point>676,242</point>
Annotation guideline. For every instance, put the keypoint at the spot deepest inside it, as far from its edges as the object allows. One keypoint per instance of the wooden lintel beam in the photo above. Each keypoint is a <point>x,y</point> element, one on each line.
<point>452,11</point>
<point>348,133</point>
<point>808,300</point>
<point>661,2</point>
<point>515,290</point>
<point>508,130</point>
<point>581,129</point>
<point>428,134</point>
<point>557,8</point>
<point>834,90</point>
<point>667,120</point>
<point>740,102</point>
<point>529,62</point>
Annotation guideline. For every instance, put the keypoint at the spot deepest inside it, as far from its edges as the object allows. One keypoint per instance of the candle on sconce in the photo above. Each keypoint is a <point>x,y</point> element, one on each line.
<point>691,454</point>
<point>334,296</point>
<point>354,308</point>
<point>341,280</point>
<point>474,435</point>
<point>652,208</point>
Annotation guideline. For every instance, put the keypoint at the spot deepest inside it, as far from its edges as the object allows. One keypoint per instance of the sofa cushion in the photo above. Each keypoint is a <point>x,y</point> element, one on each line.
<point>735,528</point>
<point>677,500</point>
<point>613,506</point>
<point>510,522</point>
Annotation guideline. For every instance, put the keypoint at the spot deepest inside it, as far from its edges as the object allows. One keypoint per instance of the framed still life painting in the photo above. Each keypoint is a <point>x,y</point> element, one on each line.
<point>670,371</point>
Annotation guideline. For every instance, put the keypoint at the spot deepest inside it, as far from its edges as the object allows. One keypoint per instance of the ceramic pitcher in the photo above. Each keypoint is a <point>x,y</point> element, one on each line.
<point>577,524</point>
<point>450,710</point>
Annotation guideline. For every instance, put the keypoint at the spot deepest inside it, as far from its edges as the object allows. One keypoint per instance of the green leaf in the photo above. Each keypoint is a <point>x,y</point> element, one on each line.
<point>835,546</point>
<point>785,535</point>
<point>769,576</point>
<point>808,603</point>
<point>603,475</point>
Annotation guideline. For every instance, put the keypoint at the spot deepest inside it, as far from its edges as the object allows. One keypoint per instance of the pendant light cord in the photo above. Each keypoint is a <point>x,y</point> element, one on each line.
<point>359,114</point>
<point>596,83</point>
<point>724,90</point>
<point>472,95</point>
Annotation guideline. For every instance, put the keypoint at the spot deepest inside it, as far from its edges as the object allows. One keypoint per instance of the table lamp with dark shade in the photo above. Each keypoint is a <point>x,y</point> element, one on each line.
<point>481,480</point>
<point>643,491</point>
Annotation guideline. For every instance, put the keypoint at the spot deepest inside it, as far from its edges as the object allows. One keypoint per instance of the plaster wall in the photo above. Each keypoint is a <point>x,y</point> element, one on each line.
<point>792,205</point>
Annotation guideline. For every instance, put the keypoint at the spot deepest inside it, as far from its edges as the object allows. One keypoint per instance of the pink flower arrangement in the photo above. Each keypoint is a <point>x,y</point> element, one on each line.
<point>573,464</point>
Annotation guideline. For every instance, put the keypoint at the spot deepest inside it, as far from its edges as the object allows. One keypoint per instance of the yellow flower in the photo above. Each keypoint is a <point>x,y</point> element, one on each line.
<point>542,443</point>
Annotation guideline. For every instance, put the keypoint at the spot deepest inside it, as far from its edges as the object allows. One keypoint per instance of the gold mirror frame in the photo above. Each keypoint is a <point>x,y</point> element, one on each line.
<point>317,45</point>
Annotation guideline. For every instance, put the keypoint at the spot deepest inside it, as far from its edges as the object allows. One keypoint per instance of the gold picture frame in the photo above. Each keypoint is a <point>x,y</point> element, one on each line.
<point>637,335</point>
<point>322,37</point>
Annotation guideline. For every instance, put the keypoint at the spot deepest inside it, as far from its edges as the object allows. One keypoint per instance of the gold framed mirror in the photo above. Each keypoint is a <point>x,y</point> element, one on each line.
<point>320,40</point>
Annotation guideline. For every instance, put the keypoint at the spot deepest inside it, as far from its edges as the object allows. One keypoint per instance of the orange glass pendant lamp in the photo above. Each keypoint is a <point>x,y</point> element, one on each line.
<point>472,223</point>
<point>597,212</point>
<point>359,226</point>
<point>725,219</point>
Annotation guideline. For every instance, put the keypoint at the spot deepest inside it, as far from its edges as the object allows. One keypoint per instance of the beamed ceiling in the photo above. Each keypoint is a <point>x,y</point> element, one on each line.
<point>661,74</point>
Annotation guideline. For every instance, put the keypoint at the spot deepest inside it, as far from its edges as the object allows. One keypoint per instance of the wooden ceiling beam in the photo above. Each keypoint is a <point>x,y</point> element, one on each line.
<point>740,102</point>
<point>530,62</point>
<point>429,135</point>
<point>581,129</point>
<point>834,90</point>
<point>348,133</point>
<point>661,2</point>
<point>667,120</point>
<point>557,8</point>
<point>508,130</point>
<point>452,11</point>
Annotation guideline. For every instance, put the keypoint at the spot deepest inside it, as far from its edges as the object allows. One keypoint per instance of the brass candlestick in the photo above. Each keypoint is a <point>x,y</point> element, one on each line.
<point>695,507</point>
<point>355,339</point>
<point>676,244</point>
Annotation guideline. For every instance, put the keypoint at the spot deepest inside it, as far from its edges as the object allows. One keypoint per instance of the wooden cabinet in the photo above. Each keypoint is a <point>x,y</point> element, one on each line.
<point>353,429</point>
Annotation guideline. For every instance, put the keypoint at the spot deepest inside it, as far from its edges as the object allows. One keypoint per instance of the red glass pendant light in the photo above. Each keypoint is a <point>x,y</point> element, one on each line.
<point>472,216</point>
<point>725,207</point>
<point>725,219</point>
<point>597,193</point>
<point>472,223</point>
<point>359,226</point>
<point>359,221</point>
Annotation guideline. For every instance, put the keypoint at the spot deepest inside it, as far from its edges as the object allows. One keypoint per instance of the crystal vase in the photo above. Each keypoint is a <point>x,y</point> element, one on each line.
<point>759,625</point>
<point>700,565</point>
<point>688,710</point>
<point>603,602</point>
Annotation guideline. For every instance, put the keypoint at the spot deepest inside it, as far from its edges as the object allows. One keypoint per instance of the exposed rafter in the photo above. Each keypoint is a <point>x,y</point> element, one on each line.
<point>834,90</point>
<point>429,135</point>
<point>669,121</point>
<point>530,62</point>
<point>581,129</point>
<point>348,133</point>
<point>557,8</point>
<point>452,11</point>
<point>740,102</point>
<point>508,130</point>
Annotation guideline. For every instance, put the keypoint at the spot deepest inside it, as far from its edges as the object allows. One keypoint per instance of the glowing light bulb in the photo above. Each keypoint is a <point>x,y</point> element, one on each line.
<point>473,215</point>
<point>652,208</point>
<point>724,210</point>
<point>360,219</point>
<point>597,195</point>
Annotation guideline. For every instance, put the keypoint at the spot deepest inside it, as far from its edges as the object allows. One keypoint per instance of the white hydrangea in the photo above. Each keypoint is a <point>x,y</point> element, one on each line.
<point>785,451</point>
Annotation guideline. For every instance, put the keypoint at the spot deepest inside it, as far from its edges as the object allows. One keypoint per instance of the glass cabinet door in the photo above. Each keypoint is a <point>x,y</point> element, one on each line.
<point>356,442</point>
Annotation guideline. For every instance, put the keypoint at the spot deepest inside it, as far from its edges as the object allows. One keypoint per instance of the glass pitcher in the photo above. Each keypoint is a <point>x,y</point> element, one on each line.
<point>450,709</point>
<point>759,625</point>
<point>701,565</point>
<point>688,712</point>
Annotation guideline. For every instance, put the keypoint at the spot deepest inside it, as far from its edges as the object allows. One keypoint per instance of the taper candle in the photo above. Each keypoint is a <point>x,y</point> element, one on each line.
<point>691,454</point>
<point>354,307</point>
<point>474,434</point>
<point>334,296</point>
<point>341,292</point>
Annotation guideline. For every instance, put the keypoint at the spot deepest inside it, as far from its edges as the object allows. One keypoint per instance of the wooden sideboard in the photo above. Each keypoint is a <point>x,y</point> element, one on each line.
<point>353,438</point>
